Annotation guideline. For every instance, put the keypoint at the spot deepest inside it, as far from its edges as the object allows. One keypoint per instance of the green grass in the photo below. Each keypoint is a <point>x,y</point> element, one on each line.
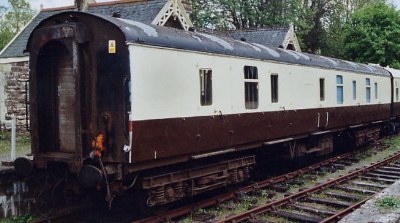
<point>24,218</point>
<point>388,202</point>
<point>23,143</point>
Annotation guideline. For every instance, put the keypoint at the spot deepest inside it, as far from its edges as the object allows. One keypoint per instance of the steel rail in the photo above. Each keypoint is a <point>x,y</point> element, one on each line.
<point>340,215</point>
<point>305,193</point>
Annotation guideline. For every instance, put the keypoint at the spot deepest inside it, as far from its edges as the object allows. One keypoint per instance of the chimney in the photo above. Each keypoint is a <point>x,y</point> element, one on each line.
<point>82,5</point>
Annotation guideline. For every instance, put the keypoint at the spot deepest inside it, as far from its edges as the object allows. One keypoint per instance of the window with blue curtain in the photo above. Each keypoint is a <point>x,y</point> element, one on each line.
<point>339,89</point>
<point>368,90</point>
<point>354,90</point>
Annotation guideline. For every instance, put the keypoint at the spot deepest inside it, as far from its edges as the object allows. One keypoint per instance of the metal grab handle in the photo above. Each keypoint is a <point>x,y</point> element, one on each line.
<point>318,120</point>
<point>327,119</point>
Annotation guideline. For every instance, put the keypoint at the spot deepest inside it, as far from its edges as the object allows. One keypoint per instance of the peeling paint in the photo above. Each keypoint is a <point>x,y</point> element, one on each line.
<point>303,55</point>
<point>250,45</point>
<point>330,60</point>
<point>219,41</point>
<point>150,31</point>
<point>269,50</point>
<point>297,57</point>
<point>351,63</point>
<point>368,67</point>
<point>197,38</point>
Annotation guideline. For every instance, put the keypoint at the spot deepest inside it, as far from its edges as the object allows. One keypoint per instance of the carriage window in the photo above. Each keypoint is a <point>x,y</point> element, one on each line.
<point>376,90</point>
<point>354,90</point>
<point>251,87</point>
<point>368,90</point>
<point>397,94</point>
<point>205,87</point>
<point>322,89</point>
<point>339,89</point>
<point>274,88</point>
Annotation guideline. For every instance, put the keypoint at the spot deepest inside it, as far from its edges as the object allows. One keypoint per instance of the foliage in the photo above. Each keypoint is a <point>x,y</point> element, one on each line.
<point>372,35</point>
<point>21,219</point>
<point>13,19</point>
<point>319,24</point>
<point>241,14</point>
<point>22,143</point>
<point>388,202</point>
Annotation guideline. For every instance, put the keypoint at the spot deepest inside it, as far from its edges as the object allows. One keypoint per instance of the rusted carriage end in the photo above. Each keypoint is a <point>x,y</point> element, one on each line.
<point>72,88</point>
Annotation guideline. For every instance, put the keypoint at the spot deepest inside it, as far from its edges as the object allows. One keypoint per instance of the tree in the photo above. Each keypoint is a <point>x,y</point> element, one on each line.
<point>243,14</point>
<point>308,16</point>
<point>13,19</point>
<point>372,35</point>
<point>319,24</point>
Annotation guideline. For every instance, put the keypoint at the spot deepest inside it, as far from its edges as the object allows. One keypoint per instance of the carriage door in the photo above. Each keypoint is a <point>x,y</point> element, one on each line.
<point>62,96</point>
<point>58,96</point>
<point>66,94</point>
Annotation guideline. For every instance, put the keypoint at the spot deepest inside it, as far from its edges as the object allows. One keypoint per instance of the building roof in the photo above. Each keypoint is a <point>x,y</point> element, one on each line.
<point>144,11</point>
<point>284,37</point>
<point>269,37</point>
<point>140,10</point>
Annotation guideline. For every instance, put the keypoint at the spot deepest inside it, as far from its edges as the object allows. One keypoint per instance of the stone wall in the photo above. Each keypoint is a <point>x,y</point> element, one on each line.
<point>16,80</point>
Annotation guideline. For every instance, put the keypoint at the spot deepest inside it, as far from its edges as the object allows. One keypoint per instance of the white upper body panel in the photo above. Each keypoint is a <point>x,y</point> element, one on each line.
<point>166,84</point>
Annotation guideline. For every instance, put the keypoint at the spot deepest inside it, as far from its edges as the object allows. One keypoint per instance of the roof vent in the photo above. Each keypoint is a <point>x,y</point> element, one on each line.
<point>116,14</point>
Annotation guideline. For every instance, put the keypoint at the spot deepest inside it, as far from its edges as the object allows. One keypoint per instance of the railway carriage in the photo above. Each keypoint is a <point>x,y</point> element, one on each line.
<point>137,107</point>
<point>396,98</point>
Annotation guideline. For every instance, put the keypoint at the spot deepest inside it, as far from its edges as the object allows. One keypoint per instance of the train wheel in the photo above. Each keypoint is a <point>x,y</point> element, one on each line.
<point>141,204</point>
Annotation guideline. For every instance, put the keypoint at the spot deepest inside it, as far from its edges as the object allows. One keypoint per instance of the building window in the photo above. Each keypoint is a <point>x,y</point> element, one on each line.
<point>274,88</point>
<point>339,89</point>
<point>322,89</point>
<point>397,94</point>
<point>354,90</point>
<point>376,90</point>
<point>251,87</point>
<point>368,90</point>
<point>205,87</point>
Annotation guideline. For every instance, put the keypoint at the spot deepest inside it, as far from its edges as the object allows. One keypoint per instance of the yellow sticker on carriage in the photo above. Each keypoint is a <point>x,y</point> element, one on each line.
<point>111,46</point>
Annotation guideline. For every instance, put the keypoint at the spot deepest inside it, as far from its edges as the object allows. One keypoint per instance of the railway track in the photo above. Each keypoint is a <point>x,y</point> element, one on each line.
<point>386,171</point>
<point>288,204</point>
<point>250,189</point>
<point>337,200</point>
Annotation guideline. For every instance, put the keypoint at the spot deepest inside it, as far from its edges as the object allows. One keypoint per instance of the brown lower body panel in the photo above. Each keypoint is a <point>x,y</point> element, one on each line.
<point>165,138</point>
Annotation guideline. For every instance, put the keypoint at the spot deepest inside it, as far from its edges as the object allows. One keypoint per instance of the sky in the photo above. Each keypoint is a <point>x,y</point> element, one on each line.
<point>35,4</point>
